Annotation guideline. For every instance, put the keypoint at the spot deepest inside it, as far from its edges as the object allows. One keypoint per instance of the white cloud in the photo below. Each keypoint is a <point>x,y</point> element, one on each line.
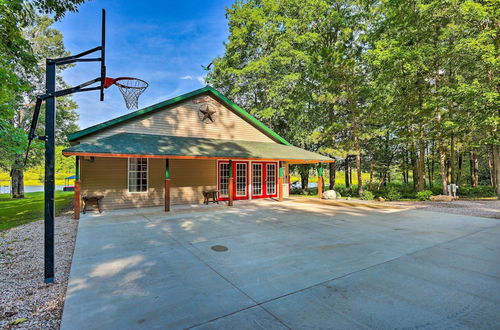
<point>201,79</point>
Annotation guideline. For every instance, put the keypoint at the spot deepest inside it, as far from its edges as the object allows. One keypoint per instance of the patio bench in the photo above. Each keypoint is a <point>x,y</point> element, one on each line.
<point>91,199</point>
<point>210,196</point>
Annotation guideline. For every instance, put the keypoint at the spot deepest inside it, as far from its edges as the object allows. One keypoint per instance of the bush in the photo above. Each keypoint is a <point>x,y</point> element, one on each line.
<point>479,191</point>
<point>392,194</point>
<point>342,190</point>
<point>367,195</point>
<point>424,195</point>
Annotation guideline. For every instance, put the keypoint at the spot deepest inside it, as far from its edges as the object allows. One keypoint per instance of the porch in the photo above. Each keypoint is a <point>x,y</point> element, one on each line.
<point>140,170</point>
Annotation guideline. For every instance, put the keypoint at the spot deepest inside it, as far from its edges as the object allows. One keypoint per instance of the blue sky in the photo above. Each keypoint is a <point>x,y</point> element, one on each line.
<point>162,42</point>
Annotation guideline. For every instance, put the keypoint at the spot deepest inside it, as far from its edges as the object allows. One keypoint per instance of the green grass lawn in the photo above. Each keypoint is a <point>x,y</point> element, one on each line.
<point>15,212</point>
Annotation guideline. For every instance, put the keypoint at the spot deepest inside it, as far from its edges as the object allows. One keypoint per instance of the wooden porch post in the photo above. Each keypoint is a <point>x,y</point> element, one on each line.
<point>167,185</point>
<point>76,196</point>
<point>280,182</point>
<point>230,184</point>
<point>320,180</point>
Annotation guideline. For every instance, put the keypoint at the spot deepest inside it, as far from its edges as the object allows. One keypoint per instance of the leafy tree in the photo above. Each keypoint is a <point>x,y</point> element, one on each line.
<point>20,71</point>
<point>403,85</point>
<point>296,66</point>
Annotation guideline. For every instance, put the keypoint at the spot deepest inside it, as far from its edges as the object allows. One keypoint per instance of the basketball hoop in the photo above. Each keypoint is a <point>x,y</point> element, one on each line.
<point>131,89</point>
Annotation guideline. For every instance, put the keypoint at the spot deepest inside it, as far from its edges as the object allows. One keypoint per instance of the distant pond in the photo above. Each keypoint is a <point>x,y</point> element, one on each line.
<point>298,184</point>
<point>5,189</point>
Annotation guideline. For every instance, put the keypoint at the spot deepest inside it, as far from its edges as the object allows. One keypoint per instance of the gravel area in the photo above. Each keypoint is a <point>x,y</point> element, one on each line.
<point>477,208</point>
<point>23,294</point>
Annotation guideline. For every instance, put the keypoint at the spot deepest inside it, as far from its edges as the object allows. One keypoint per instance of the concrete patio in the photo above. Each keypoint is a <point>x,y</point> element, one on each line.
<point>288,265</point>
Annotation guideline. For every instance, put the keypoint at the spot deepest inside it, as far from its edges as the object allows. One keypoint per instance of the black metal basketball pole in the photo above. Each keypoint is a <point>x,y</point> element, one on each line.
<point>49,188</point>
<point>50,129</point>
<point>50,125</point>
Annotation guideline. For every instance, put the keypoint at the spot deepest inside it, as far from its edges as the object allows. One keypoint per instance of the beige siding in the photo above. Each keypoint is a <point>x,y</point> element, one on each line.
<point>108,177</point>
<point>189,178</point>
<point>183,120</point>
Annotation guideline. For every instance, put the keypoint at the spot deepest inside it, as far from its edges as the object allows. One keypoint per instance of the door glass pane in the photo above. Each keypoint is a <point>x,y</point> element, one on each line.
<point>241,179</point>
<point>223,179</point>
<point>271,179</point>
<point>257,179</point>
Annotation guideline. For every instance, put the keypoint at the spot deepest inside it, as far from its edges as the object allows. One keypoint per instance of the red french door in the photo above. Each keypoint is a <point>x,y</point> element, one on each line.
<point>264,179</point>
<point>240,174</point>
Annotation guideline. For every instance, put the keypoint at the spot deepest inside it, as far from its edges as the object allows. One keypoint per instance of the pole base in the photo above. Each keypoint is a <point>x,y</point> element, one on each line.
<point>49,280</point>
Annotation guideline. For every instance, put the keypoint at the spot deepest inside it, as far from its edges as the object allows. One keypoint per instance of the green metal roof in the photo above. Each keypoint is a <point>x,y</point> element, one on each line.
<point>207,89</point>
<point>134,144</point>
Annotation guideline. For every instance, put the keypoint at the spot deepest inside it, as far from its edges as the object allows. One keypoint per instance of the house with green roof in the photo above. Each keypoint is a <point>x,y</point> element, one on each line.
<point>189,149</point>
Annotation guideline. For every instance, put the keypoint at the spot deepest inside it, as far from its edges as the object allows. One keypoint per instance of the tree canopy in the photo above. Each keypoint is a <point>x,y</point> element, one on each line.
<point>26,39</point>
<point>397,85</point>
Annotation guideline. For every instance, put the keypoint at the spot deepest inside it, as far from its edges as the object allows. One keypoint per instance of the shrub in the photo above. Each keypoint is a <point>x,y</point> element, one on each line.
<point>296,191</point>
<point>392,194</point>
<point>342,190</point>
<point>479,191</point>
<point>367,195</point>
<point>424,195</point>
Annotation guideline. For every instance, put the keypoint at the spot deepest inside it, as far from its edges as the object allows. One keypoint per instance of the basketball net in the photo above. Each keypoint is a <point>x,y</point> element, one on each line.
<point>131,89</point>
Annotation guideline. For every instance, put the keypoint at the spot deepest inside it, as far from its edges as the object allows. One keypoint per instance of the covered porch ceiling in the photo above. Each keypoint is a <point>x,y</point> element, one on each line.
<point>177,147</point>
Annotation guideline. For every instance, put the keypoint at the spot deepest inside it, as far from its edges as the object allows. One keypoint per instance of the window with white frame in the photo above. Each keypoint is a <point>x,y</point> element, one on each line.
<point>137,174</point>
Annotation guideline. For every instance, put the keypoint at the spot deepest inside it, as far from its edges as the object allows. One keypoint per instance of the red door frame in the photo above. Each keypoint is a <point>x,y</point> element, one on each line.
<point>264,180</point>
<point>234,176</point>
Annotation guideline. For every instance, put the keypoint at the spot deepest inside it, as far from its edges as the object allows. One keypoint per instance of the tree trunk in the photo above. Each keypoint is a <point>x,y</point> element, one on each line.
<point>459,172</point>
<point>421,160</point>
<point>430,165</point>
<point>333,169</point>
<point>350,177</point>
<point>429,173</point>
<point>360,177</point>
<point>475,169</point>
<point>413,156</point>
<point>381,181</point>
<point>496,166</point>
<point>304,176</point>
<point>442,167</point>
<point>17,178</point>
<point>346,171</point>
<point>371,176</point>
<point>433,162</point>
<point>403,168</point>
<point>407,169</point>
<point>491,168</point>
<point>448,170</point>
<point>452,159</point>
<point>471,169</point>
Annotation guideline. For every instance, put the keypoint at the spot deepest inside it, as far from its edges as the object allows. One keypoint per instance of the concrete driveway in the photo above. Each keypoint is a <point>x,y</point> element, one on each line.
<point>288,265</point>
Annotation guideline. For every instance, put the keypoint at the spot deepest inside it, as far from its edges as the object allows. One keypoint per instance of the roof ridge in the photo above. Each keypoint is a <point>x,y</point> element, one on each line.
<point>251,119</point>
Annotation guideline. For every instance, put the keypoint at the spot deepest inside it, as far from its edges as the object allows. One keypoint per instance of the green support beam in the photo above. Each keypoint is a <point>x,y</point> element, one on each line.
<point>320,169</point>
<point>167,169</point>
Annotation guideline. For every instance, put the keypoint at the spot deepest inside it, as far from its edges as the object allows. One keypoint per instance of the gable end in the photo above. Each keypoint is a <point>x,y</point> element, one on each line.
<point>171,102</point>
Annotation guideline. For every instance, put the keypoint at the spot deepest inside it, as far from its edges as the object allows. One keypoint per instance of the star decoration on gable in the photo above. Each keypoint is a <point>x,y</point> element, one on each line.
<point>207,114</point>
